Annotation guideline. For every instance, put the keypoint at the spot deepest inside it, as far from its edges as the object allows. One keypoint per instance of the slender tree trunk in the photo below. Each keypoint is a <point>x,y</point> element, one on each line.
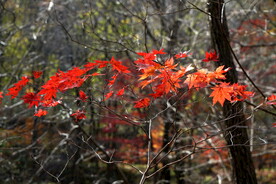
<point>235,133</point>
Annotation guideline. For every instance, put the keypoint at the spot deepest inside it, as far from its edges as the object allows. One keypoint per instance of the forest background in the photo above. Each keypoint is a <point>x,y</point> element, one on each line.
<point>105,130</point>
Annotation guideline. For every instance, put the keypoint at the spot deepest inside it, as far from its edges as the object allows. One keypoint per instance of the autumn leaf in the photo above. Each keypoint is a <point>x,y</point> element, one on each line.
<point>219,73</point>
<point>79,114</point>
<point>170,63</point>
<point>17,87</point>
<point>221,93</point>
<point>40,113</point>
<point>108,95</point>
<point>239,92</point>
<point>158,51</point>
<point>211,56</point>
<point>121,92</point>
<point>49,93</point>
<point>83,96</point>
<point>31,98</point>
<point>145,102</point>
<point>197,80</point>
<point>37,74</point>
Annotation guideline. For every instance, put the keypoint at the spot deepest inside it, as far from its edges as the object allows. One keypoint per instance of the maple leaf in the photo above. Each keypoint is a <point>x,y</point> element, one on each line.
<point>23,82</point>
<point>145,102</point>
<point>121,92</point>
<point>218,73</point>
<point>158,93</point>
<point>40,113</point>
<point>148,59</point>
<point>117,65</point>
<point>211,56</point>
<point>221,93</point>
<point>17,87</point>
<point>170,63</point>
<point>108,95</point>
<point>239,92</point>
<point>49,93</point>
<point>158,51</point>
<point>37,74</point>
<point>32,99</point>
<point>197,80</point>
<point>271,100</point>
<point>78,115</point>
<point>13,91</point>
<point>83,96</point>
<point>147,72</point>
<point>144,83</point>
<point>75,72</point>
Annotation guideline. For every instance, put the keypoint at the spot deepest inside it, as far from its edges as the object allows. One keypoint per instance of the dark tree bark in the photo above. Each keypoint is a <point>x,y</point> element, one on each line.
<point>236,136</point>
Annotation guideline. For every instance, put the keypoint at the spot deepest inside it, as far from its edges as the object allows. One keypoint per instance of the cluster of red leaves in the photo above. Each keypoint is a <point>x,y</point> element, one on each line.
<point>31,98</point>
<point>78,115</point>
<point>83,97</point>
<point>37,74</point>
<point>163,78</point>
<point>231,92</point>
<point>40,113</point>
<point>17,87</point>
<point>211,56</point>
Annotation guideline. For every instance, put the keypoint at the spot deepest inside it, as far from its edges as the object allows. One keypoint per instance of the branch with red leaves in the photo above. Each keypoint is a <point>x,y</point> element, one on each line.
<point>164,78</point>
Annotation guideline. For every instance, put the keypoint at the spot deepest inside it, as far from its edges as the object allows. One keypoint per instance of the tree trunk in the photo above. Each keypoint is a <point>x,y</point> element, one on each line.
<point>235,121</point>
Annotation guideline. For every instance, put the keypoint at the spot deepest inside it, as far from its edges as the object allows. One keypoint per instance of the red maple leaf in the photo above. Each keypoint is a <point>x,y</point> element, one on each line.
<point>40,113</point>
<point>145,102</point>
<point>158,51</point>
<point>121,92</point>
<point>83,96</point>
<point>108,95</point>
<point>17,87</point>
<point>221,93</point>
<point>31,98</point>
<point>218,74</point>
<point>37,74</point>
<point>211,56</point>
<point>49,93</point>
<point>239,92</point>
<point>118,66</point>
<point>79,114</point>
<point>197,80</point>
<point>170,63</point>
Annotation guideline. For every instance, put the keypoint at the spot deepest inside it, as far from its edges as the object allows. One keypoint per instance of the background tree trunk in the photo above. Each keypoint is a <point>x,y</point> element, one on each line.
<point>235,133</point>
